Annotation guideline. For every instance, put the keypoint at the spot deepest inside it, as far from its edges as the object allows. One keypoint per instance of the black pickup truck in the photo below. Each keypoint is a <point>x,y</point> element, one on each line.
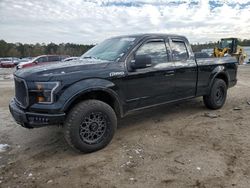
<point>116,77</point>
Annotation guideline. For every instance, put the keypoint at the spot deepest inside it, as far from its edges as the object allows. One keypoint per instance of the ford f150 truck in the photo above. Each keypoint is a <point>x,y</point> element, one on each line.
<point>116,77</point>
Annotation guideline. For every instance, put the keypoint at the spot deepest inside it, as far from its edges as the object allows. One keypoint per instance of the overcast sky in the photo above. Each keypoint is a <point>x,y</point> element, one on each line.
<point>90,21</point>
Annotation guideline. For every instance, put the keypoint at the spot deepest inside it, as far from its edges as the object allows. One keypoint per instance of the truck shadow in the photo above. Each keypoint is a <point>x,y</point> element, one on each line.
<point>162,113</point>
<point>51,141</point>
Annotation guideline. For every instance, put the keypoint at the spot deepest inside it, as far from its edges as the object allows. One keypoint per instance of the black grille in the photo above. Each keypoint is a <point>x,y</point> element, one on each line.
<point>21,92</point>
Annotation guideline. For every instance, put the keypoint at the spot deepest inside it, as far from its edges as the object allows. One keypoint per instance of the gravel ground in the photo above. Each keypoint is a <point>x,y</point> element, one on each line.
<point>180,145</point>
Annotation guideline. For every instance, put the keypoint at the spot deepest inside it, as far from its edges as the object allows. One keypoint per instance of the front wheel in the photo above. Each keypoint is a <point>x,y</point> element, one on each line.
<point>217,96</point>
<point>90,126</point>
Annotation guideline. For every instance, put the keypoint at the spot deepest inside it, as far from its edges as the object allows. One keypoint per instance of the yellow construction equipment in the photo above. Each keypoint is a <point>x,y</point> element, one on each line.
<point>230,46</point>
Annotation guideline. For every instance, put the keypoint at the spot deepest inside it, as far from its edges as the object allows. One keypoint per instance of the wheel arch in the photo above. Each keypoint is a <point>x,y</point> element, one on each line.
<point>220,73</point>
<point>223,76</point>
<point>100,93</point>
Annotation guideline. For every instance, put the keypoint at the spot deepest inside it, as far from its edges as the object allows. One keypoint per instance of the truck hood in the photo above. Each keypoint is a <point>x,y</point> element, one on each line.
<point>70,69</point>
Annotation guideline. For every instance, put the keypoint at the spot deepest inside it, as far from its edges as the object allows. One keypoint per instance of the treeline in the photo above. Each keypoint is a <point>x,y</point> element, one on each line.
<point>31,50</point>
<point>198,47</point>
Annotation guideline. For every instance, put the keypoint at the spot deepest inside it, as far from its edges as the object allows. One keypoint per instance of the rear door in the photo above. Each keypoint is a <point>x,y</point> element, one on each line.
<point>185,68</point>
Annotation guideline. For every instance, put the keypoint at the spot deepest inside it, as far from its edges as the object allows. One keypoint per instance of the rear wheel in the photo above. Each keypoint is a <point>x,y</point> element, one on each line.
<point>90,126</point>
<point>217,96</point>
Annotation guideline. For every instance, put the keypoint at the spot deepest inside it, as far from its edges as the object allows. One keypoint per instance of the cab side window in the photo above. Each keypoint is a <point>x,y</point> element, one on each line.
<point>156,50</point>
<point>53,58</point>
<point>179,51</point>
<point>42,59</point>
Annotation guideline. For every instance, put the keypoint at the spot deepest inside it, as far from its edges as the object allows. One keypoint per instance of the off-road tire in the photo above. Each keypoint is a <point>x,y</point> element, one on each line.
<point>76,122</point>
<point>217,95</point>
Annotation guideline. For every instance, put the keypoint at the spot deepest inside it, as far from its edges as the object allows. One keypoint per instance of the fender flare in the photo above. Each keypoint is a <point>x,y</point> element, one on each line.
<point>83,87</point>
<point>218,72</point>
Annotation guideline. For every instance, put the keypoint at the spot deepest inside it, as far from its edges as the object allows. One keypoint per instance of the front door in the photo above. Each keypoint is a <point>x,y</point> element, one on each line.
<point>151,85</point>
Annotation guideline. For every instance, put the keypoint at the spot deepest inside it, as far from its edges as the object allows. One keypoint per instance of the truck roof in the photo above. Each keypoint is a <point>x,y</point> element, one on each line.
<point>142,35</point>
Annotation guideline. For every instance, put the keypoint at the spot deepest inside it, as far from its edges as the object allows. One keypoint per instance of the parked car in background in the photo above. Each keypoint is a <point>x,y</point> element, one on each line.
<point>70,59</point>
<point>26,59</point>
<point>201,55</point>
<point>8,62</point>
<point>40,60</point>
<point>209,51</point>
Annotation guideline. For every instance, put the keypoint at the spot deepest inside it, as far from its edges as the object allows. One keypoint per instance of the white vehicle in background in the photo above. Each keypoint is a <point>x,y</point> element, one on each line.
<point>209,51</point>
<point>247,50</point>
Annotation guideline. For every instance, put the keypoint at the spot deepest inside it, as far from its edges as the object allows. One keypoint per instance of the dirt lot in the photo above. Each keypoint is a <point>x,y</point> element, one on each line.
<point>168,146</point>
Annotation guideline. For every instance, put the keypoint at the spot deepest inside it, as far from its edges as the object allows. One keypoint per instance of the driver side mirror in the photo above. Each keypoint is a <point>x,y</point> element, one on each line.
<point>36,61</point>
<point>141,61</point>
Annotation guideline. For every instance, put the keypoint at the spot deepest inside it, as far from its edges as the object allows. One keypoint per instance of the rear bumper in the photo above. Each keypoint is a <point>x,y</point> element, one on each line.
<point>34,120</point>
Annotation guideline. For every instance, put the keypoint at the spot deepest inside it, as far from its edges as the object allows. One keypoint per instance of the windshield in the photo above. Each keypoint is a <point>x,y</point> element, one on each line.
<point>110,49</point>
<point>225,43</point>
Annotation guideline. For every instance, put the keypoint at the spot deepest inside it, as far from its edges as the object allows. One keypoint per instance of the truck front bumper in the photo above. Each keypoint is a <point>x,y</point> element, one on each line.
<point>32,119</point>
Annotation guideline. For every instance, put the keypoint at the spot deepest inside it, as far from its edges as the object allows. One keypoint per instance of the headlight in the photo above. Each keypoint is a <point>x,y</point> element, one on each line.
<point>45,91</point>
